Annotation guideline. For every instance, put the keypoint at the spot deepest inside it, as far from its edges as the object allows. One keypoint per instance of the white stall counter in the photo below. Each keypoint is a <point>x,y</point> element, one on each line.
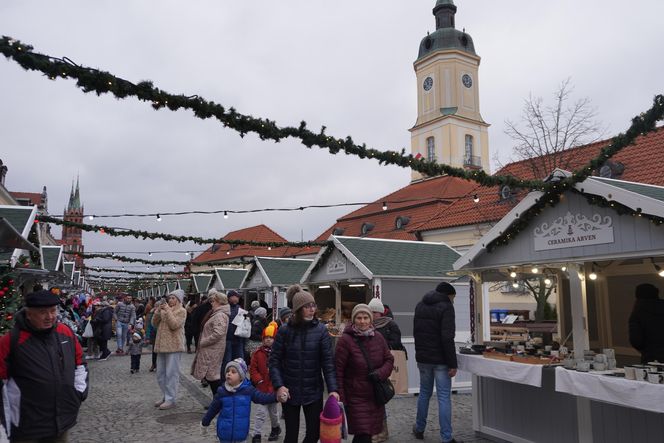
<point>616,390</point>
<point>522,373</point>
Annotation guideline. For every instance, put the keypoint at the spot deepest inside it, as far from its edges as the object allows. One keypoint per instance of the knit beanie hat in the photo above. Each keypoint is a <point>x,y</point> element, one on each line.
<point>137,336</point>
<point>270,330</point>
<point>239,365</point>
<point>376,305</point>
<point>284,312</point>
<point>298,297</point>
<point>445,288</point>
<point>260,312</point>
<point>361,307</point>
<point>330,421</point>
<point>232,293</point>
<point>179,294</point>
<point>255,304</point>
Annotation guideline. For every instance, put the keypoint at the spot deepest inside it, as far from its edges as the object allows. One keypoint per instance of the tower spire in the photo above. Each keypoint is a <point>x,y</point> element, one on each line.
<point>77,195</point>
<point>445,10</point>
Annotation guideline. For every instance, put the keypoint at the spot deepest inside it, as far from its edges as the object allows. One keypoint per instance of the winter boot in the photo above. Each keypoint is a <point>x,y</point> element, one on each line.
<point>256,439</point>
<point>274,434</point>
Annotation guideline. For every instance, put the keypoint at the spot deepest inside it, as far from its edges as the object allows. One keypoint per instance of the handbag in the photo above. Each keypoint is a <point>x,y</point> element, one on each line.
<point>383,389</point>
<point>88,332</point>
<point>244,329</point>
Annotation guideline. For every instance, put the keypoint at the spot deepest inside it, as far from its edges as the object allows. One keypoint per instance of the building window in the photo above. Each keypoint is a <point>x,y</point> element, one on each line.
<point>469,146</point>
<point>431,149</point>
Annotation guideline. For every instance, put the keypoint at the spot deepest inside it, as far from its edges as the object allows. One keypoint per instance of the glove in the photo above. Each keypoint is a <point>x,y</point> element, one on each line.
<point>373,376</point>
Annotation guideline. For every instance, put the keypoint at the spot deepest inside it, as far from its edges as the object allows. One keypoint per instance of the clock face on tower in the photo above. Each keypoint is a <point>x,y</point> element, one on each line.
<point>467,81</point>
<point>428,84</point>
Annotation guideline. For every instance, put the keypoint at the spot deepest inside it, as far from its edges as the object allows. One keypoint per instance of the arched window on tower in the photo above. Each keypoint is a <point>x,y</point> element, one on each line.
<point>431,149</point>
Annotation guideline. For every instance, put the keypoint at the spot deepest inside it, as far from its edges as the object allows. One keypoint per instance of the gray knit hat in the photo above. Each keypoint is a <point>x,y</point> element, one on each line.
<point>361,307</point>
<point>239,365</point>
<point>260,312</point>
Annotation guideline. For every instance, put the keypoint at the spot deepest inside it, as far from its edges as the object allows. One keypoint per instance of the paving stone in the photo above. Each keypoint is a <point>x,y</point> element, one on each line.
<point>120,408</point>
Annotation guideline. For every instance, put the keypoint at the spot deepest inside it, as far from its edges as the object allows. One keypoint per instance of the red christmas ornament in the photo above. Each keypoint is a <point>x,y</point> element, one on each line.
<point>11,282</point>
<point>5,289</point>
<point>9,317</point>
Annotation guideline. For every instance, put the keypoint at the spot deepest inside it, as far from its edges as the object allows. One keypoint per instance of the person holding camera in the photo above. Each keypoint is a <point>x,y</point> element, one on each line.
<point>169,345</point>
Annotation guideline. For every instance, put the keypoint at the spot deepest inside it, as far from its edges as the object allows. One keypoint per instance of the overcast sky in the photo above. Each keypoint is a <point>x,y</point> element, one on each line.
<point>345,64</point>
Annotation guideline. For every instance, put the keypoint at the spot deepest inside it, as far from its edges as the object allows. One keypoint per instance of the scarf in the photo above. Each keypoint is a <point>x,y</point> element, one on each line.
<point>230,388</point>
<point>381,322</point>
<point>368,333</point>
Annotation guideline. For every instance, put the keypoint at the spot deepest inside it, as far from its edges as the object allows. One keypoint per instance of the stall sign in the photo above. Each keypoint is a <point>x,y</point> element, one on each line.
<point>572,230</point>
<point>336,265</point>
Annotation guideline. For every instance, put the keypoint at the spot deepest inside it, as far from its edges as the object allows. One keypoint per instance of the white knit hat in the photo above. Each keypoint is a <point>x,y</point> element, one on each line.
<point>179,294</point>
<point>376,305</point>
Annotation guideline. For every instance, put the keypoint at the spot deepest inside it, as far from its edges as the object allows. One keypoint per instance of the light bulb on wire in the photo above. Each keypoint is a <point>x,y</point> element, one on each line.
<point>91,217</point>
<point>158,217</point>
<point>476,198</point>
<point>513,274</point>
<point>226,215</point>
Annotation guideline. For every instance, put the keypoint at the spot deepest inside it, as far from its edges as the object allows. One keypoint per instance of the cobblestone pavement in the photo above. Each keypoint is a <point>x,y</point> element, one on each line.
<point>120,408</point>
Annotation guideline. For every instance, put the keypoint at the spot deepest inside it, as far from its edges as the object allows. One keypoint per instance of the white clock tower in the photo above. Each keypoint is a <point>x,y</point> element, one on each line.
<point>449,127</point>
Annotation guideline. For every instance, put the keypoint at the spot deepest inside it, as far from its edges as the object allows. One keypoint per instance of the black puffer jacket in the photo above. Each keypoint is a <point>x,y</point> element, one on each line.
<point>434,329</point>
<point>102,322</point>
<point>299,354</point>
<point>43,365</point>
<point>646,329</point>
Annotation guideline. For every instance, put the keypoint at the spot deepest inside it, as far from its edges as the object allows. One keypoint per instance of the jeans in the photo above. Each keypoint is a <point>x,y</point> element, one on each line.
<point>168,374</point>
<point>121,330</point>
<point>428,374</point>
<point>234,349</point>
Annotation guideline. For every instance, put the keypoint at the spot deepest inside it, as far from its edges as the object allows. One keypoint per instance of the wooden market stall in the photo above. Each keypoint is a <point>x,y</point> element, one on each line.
<point>225,279</point>
<point>351,270</point>
<point>602,239</point>
<point>268,279</point>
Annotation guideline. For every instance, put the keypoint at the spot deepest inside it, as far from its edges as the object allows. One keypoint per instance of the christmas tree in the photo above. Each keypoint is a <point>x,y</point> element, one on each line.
<point>10,300</point>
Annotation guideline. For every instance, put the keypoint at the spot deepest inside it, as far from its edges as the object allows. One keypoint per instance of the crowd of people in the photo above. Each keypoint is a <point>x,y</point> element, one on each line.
<point>243,358</point>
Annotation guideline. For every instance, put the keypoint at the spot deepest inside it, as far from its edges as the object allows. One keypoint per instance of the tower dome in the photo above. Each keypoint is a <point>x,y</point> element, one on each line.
<point>446,36</point>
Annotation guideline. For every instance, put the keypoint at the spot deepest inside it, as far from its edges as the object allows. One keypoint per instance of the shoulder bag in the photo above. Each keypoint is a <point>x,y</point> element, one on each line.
<point>383,389</point>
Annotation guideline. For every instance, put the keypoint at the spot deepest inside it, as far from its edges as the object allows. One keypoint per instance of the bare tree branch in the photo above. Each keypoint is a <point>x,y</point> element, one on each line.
<point>545,132</point>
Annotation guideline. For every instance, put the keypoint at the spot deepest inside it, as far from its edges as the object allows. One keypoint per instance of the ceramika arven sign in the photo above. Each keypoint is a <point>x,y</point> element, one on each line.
<point>573,230</point>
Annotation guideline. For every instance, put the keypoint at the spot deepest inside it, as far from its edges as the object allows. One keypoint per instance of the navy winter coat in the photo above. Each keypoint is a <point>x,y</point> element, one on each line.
<point>299,354</point>
<point>365,416</point>
<point>234,409</point>
<point>434,329</point>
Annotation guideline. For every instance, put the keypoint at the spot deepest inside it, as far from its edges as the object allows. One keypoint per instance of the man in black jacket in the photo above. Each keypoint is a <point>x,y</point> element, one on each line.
<point>43,360</point>
<point>434,329</point>
<point>646,323</point>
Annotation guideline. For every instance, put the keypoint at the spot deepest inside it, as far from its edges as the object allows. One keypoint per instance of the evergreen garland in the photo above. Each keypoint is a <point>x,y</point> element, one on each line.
<point>10,300</point>
<point>101,82</point>
<point>126,259</point>
<point>122,232</point>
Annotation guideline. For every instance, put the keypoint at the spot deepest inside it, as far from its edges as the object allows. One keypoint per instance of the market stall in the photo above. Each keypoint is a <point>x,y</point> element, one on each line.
<point>268,279</point>
<point>597,243</point>
<point>225,279</point>
<point>351,270</point>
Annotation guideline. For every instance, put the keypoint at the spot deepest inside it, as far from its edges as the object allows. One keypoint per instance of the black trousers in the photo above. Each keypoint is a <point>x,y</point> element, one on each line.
<point>362,438</point>
<point>189,338</point>
<point>135,361</point>
<point>311,418</point>
<point>103,345</point>
<point>154,359</point>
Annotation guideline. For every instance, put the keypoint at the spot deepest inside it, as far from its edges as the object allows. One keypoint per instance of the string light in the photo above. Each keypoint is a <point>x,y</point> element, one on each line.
<point>534,270</point>
<point>513,274</point>
<point>226,215</point>
<point>91,217</point>
<point>384,206</point>
<point>564,268</point>
<point>149,254</point>
<point>476,198</point>
<point>547,281</point>
<point>592,276</point>
<point>515,284</point>
<point>158,217</point>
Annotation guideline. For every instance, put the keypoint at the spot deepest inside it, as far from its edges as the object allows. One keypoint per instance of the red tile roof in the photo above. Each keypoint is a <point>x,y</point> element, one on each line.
<point>447,202</point>
<point>34,197</point>
<point>260,233</point>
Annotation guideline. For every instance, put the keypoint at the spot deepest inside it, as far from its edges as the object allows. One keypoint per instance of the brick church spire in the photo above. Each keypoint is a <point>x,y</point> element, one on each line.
<point>72,237</point>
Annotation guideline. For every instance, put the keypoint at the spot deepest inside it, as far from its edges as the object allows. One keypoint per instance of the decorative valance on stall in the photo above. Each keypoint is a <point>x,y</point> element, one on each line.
<point>598,219</point>
<point>228,278</point>
<point>170,287</point>
<point>52,258</point>
<point>19,220</point>
<point>185,284</point>
<point>68,268</point>
<point>201,282</point>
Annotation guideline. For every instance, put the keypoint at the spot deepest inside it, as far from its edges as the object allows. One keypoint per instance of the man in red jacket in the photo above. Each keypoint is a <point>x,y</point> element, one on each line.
<point>43,360</point>
<point>260,377</point>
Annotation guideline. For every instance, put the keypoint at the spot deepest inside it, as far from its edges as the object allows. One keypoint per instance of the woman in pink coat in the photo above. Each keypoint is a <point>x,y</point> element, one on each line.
<point>365,416</point>
<point>212,342</point>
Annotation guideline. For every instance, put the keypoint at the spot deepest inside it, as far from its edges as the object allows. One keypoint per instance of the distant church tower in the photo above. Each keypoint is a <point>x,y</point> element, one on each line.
<point>72,238</point>
<point>449,127</point>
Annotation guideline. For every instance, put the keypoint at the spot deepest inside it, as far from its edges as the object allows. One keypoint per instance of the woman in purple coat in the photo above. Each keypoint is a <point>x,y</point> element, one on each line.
<point>365,417</point>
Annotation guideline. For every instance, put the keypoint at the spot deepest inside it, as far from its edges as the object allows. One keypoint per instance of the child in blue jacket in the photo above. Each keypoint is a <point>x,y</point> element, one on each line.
<point>233,403</point>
